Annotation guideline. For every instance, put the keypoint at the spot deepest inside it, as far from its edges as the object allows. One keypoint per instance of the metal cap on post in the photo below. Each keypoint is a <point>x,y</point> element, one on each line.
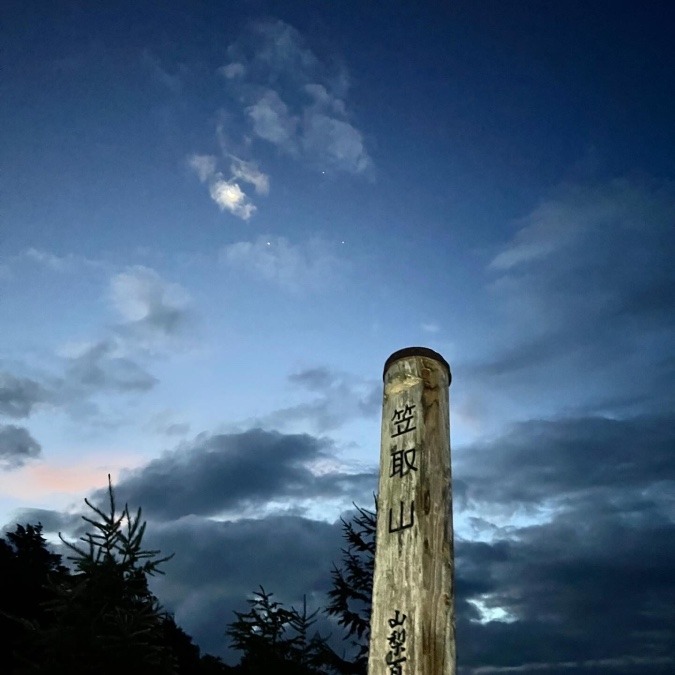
<point>412,622</point>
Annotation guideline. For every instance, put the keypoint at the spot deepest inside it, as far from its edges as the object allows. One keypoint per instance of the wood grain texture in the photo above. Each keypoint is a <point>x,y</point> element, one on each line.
<point>414,564</point>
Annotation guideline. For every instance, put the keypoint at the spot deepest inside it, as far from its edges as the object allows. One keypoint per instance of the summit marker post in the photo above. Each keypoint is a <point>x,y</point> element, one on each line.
<point>412,628</point>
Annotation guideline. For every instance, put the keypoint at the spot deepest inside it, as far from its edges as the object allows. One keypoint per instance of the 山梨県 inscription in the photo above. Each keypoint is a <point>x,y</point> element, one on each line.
<point>395,657</point>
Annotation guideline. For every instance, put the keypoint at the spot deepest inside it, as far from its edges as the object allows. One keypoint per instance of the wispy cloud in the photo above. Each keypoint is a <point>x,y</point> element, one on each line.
<point>153,310</point>
<point>295,100</point>
<point>153,317</point>
<point>587,284</point>
<point>54,262</point>
<point>309,266</point>
<point>337,398</point>
<point>284,95</point>
<point>99,368</point>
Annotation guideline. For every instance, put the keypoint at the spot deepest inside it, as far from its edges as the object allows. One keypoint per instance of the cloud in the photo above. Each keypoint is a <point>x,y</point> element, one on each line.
<point>17,446</point>
<point>295,100</point>
<point>203,165</point>
<point>153,314</point>
<point>165,422</point>
<point>233,70</point>
<point>227,192</point>
<point>334,141</point>
<point>52,521</point>
<point>69,262</point>
<point>590,582</point>
<point>339,398</point>
<point>560,581</point>
<point>592,253</point>
<point>586,288</point>
<point>597,494</point>
<point>153,310</point>
<point>318,379</point>
<point>249,173</point>
<point>19,395</point>
<point>230,197</point>
<point>272,121</point>
<point>294,267</point>
<point>615,208</point>
<point>286,96</point>
<point>238,473</point>
<point>97,368</point>
<point>56,263</point>
<point>542,460</point>
<point>219,564</point>
<point>591,585</point>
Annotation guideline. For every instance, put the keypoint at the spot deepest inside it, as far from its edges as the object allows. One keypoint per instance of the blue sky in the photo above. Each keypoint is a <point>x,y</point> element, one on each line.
<point>219,219</point>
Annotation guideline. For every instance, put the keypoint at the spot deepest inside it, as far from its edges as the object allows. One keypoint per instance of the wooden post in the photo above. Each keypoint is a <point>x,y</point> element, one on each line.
<point>412,630</point>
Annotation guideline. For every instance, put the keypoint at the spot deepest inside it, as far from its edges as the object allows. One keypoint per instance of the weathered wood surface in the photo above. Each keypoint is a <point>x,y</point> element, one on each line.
<point>412,622</point>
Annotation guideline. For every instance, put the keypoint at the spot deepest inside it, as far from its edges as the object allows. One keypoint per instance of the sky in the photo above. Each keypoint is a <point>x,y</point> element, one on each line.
<point>217,221</point>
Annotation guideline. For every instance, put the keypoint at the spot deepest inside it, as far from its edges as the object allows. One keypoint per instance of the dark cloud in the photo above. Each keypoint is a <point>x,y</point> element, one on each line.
<point>19,395</point>
<point>237,472</point>
<point>314,379</point>
<point>589,588</point>
<point>591,591</point>
<point>52,521</point>
<point>17,446</point>
<point>218,564</point>
<point>541,460</point>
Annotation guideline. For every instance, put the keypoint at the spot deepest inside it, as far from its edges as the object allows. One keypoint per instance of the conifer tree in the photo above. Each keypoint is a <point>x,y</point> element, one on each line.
<point>350,598</point>
<point>29,571</point>
<point>106,620</point>
<point>275,639</point>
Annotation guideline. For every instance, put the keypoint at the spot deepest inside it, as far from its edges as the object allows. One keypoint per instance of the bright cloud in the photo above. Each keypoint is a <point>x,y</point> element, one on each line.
<point>227,192</point>
<point>230,197</point>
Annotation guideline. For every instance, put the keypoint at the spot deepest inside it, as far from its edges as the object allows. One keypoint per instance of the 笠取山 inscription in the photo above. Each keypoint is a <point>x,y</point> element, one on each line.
<point>412,622</point>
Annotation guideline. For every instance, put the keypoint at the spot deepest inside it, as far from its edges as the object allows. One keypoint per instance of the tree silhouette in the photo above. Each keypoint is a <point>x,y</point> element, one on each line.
<point>105,619</point>
<point>269,635</point>
<point>29,571</point>
<point>350,598</point>
<point>274,638</point>
<point>100,617</point>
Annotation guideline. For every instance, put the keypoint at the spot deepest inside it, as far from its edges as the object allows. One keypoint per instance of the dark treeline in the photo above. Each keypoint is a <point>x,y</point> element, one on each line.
<point>99,616</point>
